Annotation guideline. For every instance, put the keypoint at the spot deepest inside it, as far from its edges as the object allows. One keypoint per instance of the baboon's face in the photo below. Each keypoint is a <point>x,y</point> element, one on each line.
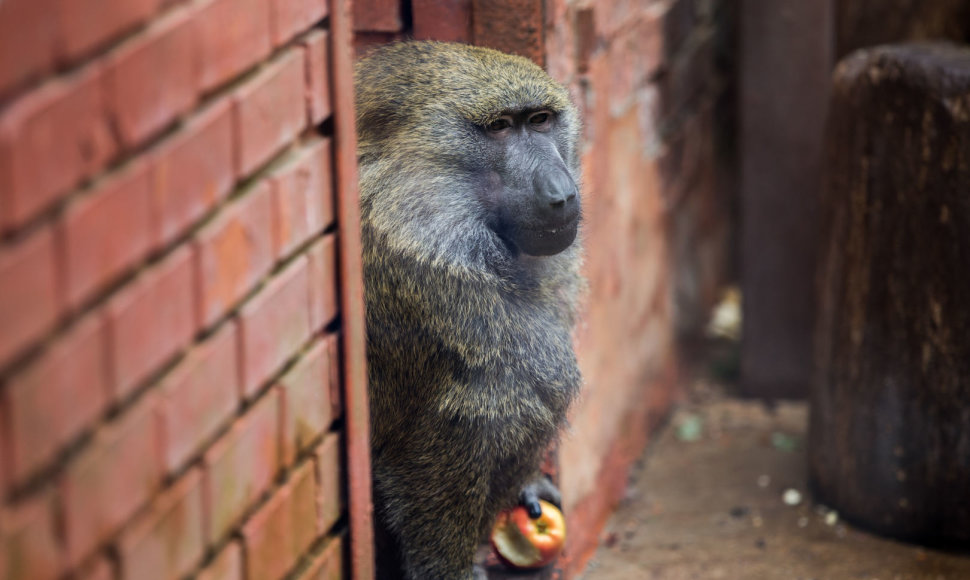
<point>533,197</point>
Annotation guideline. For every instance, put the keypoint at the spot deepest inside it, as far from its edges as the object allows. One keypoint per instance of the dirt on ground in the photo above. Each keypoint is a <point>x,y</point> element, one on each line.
<point>721,493</point>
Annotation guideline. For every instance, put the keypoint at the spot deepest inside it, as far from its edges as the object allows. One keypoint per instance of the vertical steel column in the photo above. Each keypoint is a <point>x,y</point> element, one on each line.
<point>352,297</point>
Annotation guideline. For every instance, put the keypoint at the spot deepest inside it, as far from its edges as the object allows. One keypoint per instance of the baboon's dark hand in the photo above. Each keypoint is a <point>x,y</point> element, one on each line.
<point>533,507</point>
<point>539,488</point>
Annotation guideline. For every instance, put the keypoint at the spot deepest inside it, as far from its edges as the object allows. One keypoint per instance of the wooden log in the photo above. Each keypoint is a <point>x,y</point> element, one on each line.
<point>890,430</point>
<point>862,23</point>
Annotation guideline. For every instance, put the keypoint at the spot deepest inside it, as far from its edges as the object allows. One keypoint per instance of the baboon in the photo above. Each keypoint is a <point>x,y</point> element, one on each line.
<point>470,210</point>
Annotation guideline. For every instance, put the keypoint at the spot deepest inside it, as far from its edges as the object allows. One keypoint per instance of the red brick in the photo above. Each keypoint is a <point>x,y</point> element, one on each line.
<point>30,303</point>
<point>234,35</point>
<point>562,42</point>
<point>365,42</point>
<point>150,321</point>
<point>618,14</point>
<point>282,529</point>
<point>166,541</point>
<point>89,24</point>
<point>302,197</point>
<point>201,394</point>
<point>304,519</point>
<point>635,55</point>
<point>111,479</point>
<point>273,325</point>
<point>242,464</point>
<point>307,409</point>
<point>153,78</point>
<point>336,377</point>
<point>50,139</point>
<point>586,40</point>
<point>193,171</point>
<point>513,26</point>
<point>234,251</point>
<point>649,45</point>
<point>57,396</point>
<point>270,111</point>
<point>27,40</point>
<point>377,15</point>
<point>106,232</point>
<point>445,20</point>
<point>322,258</point>
<point>317,46</point>
<point>226,566</point>
<point>328,564</point>
<point>329,482</point>
<point>291,17</point>
<point>29,541</point>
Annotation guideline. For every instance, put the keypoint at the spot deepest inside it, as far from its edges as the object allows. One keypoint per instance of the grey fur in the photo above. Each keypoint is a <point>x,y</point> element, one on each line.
<point>469,344</point>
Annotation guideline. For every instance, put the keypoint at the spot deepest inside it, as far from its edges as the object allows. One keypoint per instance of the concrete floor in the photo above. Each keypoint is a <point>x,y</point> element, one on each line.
<point>707,501</point>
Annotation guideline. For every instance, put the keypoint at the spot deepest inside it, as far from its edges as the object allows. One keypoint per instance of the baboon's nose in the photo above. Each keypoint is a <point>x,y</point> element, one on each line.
<point>555,189</point>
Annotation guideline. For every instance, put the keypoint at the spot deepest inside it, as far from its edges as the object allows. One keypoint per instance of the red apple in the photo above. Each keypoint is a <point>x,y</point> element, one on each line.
<point>525,543</point>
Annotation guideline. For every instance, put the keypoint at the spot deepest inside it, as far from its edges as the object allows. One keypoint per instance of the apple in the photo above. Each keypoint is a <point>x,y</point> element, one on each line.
<point>525,543</point>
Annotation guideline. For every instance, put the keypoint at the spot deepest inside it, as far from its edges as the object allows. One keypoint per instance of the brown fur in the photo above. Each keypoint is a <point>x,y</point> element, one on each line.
<point>469,344</point>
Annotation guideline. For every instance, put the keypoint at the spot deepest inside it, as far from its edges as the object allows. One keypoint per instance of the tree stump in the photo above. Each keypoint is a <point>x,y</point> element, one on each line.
<point>862,23</point>
<point>890,430</point>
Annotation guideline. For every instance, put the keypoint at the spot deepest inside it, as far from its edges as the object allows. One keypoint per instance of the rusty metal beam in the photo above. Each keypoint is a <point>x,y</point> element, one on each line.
<point>352,296</point>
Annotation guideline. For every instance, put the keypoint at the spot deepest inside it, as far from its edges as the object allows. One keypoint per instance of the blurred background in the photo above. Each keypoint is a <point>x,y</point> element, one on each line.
<point>772,222</point>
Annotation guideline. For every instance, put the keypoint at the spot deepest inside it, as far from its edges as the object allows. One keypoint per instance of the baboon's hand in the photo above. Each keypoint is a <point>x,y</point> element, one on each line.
<point>540,487</point>
<point>479,573</point>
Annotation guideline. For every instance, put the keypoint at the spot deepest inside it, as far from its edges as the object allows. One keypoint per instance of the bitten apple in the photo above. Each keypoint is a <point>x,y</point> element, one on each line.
<point>525,543</point>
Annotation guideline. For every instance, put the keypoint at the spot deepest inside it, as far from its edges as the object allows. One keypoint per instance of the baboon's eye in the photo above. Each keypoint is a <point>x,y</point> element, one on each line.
<point>540,121</point>
<point>499,125</point>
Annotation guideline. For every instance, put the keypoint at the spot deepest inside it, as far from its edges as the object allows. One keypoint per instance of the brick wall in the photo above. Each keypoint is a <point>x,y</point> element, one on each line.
<point>657,106</point>
<point>171,357</point>
<point>654,83</point>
